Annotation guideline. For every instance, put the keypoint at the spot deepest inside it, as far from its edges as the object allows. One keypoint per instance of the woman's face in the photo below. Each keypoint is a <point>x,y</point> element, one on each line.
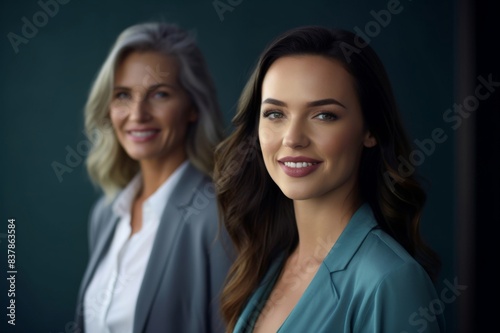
<point>311,128</point>
<point>149,110</point>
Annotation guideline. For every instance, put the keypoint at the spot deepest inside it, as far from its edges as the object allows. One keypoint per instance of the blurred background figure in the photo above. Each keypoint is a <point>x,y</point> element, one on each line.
<point>156,261</point>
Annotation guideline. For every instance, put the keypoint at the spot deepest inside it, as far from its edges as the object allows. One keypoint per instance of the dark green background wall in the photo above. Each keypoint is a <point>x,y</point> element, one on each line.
<point>45,85</point>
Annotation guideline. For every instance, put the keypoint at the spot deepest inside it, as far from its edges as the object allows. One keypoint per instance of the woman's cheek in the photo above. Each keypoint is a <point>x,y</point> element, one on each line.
<point>268,137</point>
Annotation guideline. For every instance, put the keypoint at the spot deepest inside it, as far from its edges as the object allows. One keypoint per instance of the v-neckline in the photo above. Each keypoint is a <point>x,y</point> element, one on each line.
<point>270,287</point>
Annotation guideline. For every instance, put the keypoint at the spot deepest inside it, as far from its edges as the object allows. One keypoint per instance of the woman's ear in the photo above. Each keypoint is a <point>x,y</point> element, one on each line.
<point>370,140</point>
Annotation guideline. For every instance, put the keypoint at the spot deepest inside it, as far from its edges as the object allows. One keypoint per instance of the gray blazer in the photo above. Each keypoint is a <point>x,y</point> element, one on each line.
<point>188,263</point>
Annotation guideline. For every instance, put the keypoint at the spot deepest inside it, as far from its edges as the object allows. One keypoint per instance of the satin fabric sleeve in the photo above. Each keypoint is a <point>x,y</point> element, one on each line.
<point>404,301</point>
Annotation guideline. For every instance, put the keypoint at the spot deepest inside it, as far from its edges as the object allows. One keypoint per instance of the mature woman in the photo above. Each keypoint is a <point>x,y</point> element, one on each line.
<point>326,230</point>
<point>156,263</point>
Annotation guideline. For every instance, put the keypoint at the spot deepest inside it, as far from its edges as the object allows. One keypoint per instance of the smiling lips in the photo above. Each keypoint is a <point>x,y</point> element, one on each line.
<point>142,135</point>
<point>299,166</point>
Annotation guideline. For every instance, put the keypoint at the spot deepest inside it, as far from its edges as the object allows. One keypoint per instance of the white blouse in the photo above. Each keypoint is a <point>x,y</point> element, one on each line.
<point>109,303</point>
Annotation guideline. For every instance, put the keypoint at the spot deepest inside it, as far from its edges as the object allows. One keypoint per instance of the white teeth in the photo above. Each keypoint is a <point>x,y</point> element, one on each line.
<point>142,134</point>
<point>298,164</point>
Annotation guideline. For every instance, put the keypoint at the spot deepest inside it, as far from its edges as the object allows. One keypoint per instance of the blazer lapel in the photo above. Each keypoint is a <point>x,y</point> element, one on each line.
<point>321,297</point>
<point>258,299</point>
<point>360,225</point>
<point>170,225</point>
<point>102,244</point>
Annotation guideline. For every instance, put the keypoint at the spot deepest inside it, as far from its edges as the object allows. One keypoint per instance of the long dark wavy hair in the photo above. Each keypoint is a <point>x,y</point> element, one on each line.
<point>260,218</point>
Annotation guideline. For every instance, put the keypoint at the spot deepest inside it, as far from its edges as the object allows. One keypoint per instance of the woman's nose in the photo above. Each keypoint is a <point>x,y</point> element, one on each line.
<point>295,135</point>
<point>139,109</point>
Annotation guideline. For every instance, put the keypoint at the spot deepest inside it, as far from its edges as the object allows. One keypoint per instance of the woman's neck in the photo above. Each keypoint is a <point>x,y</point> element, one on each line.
<point>154,174</point>
<point>320,222</point>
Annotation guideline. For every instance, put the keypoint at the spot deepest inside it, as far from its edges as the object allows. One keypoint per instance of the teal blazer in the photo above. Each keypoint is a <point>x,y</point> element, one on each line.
<point>367,283</point>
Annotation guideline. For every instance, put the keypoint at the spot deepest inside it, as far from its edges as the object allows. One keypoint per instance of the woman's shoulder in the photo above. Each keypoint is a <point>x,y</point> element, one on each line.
<point>194,183</point>
<point>392,285</point>
<point>364,249</point>
<point>196,199</point>
<point>381,257</point>
<point>100,210</point>
<point>101,203</point>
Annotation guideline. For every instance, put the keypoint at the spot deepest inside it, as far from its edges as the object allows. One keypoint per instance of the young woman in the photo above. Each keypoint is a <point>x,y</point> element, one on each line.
<point>326,230</point>
<point>156,264</point>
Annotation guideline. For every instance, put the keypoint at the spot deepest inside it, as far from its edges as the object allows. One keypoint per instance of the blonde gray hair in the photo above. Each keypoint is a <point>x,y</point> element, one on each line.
<point>108,165</point>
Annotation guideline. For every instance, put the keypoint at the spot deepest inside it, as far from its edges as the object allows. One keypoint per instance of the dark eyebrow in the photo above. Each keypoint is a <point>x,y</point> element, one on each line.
<point>321,102</point>
<point>274,102</point>
<point>326,101</point>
